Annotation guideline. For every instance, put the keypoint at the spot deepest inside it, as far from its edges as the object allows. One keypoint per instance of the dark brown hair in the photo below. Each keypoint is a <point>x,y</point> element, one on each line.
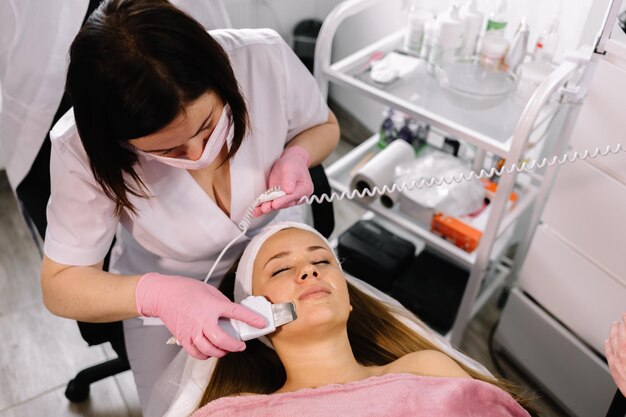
<point>134,66</point>
<point>376,336</point>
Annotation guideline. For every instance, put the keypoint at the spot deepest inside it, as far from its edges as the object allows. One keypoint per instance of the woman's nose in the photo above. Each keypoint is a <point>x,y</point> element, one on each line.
<point>194,149</point>
<point>309,272</point>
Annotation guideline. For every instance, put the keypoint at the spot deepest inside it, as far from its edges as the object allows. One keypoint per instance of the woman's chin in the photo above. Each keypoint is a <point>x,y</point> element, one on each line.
<point>313,320</point>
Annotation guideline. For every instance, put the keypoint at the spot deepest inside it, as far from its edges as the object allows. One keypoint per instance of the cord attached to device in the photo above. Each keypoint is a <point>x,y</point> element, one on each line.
<point>437,181</point>
<point>420,183</point>
<point>269,195</point>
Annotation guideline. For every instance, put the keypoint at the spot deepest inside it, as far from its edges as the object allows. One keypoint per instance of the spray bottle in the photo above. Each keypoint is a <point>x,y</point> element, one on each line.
<point>547,41</point>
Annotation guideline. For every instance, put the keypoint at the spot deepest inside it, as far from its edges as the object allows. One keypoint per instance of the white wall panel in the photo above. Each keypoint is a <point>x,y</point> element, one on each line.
<point>586,207</point>
<point>572,288</point>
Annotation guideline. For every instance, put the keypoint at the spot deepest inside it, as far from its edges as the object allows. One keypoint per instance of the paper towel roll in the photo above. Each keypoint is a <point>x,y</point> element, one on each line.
<point>380,170</point>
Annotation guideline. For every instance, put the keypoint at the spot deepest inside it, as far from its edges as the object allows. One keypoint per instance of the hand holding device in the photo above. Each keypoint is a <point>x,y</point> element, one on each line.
<point>191,310</point>
<point>276,315</point>
<point>290,172</point>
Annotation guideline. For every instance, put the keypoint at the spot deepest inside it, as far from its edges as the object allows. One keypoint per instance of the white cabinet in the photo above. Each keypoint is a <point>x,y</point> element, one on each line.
<point>573,279</point>
<point>581,294</point>
<point>504,130</point>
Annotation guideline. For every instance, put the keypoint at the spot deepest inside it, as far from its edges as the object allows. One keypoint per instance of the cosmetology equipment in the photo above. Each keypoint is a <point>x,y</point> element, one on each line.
<point>418,183</point>
<point>506,131</point>
<point>431,287</point>
<point>276,315</point>
<point>377,191</point>
<point>374,254</point>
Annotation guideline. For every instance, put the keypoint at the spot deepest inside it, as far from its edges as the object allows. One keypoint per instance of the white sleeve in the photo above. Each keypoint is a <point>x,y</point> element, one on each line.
<point>304,102</point>
<point>81,218</point>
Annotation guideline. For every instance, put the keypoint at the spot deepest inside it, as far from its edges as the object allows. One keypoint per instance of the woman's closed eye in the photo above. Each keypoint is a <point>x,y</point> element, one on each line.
<point>167,152</point>
<point>279,270</point>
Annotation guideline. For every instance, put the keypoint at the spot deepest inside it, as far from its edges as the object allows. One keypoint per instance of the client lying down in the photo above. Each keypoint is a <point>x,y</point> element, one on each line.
<point>346,354</point>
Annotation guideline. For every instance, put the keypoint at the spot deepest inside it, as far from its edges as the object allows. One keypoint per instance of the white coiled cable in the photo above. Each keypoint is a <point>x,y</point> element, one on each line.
<point>420,183</point>
<point>458,178</point>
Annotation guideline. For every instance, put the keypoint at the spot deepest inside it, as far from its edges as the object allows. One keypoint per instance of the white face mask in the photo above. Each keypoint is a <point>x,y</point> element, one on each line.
<point>223,131</point>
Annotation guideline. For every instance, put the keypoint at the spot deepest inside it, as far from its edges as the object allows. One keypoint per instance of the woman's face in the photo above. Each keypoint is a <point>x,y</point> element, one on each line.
<point>187,135</point>
<point>296,265</point>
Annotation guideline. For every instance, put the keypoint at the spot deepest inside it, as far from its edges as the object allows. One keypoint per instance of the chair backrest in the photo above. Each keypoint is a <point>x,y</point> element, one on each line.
<point>323,215</point>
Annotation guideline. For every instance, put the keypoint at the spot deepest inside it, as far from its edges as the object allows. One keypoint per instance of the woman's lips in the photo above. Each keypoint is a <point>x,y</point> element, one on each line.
<point>314,292</point>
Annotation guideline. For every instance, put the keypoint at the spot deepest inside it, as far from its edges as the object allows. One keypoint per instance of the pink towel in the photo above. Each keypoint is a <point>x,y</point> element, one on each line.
<point>397,395</point>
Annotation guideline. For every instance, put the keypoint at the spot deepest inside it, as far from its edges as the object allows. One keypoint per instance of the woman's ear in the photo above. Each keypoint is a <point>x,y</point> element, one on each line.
<point>350,305</point>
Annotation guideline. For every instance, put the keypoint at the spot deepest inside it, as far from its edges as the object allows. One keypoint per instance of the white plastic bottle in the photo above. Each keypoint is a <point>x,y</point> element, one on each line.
<point>519,47</point>
<point>473,27</point>
<point>497,21</point>
<point>431,31</point>
<point>414,31</point>
<point>450,36</point>
<point>547,41</point>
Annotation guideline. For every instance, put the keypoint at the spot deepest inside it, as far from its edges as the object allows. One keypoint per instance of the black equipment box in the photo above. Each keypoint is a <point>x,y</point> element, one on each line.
<point>374,254</point>
<point>432,288</point>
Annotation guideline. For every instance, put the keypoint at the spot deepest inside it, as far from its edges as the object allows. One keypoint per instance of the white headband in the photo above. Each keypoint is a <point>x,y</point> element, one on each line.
<point>243,278</point>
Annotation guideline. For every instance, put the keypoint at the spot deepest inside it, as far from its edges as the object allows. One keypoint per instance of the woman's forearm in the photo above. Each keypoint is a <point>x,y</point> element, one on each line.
<point>319,141</point>
<point>87,293</point>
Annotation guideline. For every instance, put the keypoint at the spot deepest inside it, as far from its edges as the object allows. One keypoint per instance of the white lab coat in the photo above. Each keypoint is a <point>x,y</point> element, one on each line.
<point>35,37</point>
<point>181,230</point>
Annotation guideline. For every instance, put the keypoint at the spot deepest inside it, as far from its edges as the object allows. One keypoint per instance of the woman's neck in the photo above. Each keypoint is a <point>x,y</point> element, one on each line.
<point>318,362</point>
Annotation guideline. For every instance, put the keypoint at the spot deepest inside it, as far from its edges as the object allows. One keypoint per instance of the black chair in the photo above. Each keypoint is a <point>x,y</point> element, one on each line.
<point>77,389</point>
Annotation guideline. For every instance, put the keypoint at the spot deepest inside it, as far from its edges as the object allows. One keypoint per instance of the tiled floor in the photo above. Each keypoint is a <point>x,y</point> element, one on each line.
<point>39,352</point>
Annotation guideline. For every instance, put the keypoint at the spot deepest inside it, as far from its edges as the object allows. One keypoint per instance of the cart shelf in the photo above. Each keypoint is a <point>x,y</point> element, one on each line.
<point>340,173</point>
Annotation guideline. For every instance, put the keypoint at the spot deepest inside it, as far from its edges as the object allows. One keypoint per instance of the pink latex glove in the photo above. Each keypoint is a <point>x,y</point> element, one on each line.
<point>291,173</point>
<point>190,309</point>
<point>615,351</point>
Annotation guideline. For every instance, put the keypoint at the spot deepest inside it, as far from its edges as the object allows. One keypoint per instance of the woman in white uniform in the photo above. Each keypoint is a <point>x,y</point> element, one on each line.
<point>173,134</point>
<point>33,64</point>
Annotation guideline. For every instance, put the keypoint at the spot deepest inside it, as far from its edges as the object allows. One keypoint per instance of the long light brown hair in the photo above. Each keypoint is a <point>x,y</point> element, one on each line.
<point>376,336</point>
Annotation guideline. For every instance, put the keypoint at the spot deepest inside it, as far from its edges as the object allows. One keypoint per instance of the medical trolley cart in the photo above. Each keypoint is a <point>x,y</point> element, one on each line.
<point>507,131</point>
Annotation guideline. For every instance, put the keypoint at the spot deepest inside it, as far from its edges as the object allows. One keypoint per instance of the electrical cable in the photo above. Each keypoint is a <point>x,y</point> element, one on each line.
<point>420,183</point>
<point>458,178</point>
<point>269,195</point>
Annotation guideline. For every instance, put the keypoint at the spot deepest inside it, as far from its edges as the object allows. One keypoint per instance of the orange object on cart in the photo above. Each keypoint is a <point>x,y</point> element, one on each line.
<point>491,188</point>
<point>455,231</point>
